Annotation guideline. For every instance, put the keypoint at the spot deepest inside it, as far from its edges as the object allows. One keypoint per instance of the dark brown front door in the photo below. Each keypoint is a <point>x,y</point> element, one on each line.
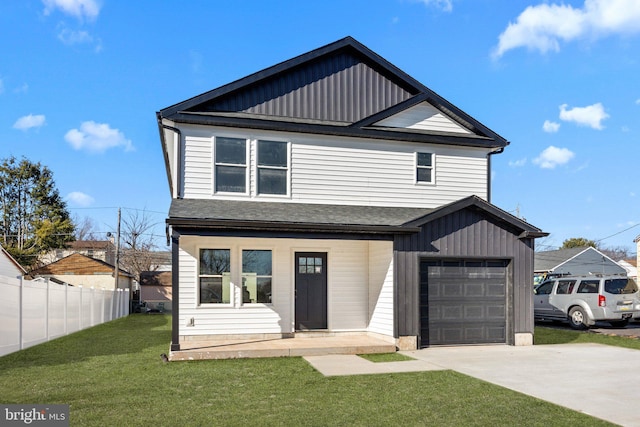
<point>311,290</point>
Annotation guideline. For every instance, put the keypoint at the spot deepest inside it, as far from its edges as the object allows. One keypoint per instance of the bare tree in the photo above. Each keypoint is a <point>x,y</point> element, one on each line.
<point>616,253</point>
<point>137,250</point>
<point>85,228</point>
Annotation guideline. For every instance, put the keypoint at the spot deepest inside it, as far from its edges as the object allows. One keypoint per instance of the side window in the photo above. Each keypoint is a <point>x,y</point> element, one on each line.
<point>565,287</point>
<point>230,165</point>
<point>588,287</point>
<point>273,167</point>
<point>215,276</point>
<point>256,276</point>
<point>424,167</point>
<point>545,288</point>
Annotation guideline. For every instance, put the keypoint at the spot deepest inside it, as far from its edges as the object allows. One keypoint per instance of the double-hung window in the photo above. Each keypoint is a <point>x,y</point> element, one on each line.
<point>273,167</point>
<point>230,165</point>
<point>424,167</point>
<point>256,276</point>
<point>215,276</point>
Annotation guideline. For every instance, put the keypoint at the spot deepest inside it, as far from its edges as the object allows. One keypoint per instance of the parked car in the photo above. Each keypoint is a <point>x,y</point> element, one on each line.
<point>584,300</point>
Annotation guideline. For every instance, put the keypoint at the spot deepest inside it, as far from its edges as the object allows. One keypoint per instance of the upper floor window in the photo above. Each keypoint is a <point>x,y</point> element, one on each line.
<point>424,167</point>
<point>231,165</point>
<point>273,167</point>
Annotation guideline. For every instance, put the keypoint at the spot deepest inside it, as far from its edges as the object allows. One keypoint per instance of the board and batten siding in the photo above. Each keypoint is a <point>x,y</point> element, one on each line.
<point>465,234</point>
<point>348,287</point>
<point>346,171</point>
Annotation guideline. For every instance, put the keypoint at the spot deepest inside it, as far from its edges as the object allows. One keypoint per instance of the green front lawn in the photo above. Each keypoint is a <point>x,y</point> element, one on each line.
<point>112,375</point>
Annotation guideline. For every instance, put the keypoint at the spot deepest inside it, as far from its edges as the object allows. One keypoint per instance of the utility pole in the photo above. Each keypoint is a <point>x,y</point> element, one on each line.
<point>117,269</point>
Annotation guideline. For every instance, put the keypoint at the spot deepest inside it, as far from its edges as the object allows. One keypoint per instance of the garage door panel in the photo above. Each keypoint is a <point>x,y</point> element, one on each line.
<point>463,304</point>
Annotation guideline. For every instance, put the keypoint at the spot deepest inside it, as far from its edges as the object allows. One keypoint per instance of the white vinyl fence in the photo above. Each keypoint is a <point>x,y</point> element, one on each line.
<point>33,312</point>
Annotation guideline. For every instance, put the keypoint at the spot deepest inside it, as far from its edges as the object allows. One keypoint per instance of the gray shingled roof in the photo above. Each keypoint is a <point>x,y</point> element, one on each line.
<point>548,260</point>
<point>203,210</point>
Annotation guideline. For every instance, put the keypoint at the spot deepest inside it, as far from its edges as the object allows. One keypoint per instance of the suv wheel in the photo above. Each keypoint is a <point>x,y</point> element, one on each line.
<point>577,318</point>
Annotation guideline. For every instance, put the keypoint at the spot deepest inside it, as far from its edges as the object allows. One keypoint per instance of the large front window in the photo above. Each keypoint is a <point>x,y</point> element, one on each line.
<point>215,276</point>
<point>273,165</point>
<point>231,165</point>
<point>256,276</point>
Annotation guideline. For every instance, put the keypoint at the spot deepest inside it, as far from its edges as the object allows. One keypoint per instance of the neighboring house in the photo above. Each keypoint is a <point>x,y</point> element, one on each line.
<point>103,250</point>
<point>81,270</point>
<point>584,261</point>
<point>9,267</point>
<point>630,266</point>
<point>155,288</point>
<point>335,193</point>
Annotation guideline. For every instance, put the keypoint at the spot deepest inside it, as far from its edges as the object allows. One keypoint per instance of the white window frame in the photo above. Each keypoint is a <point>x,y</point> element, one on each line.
<point>247,166</point>
<point>256,167</point>
<point>432,168</point>
<point>241,303</point>
<point>199,276</point>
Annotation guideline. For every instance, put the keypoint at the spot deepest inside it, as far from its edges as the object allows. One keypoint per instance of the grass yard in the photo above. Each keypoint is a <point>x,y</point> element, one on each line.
<point>112,374</point>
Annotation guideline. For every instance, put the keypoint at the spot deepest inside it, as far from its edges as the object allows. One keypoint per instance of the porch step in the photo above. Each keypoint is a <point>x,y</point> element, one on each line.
<point>287,347</point>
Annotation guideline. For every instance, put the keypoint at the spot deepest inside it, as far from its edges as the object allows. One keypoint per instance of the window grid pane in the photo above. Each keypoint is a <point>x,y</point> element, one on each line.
<point>272,181</point>
<point>272,153</point>
<point>231,151</point>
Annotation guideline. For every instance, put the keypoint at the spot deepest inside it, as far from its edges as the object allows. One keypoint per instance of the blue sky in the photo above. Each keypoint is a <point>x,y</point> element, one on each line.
<point>81,80</point>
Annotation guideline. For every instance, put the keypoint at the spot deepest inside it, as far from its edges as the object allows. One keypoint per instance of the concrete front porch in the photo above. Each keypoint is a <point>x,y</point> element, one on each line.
<point>300,345</point>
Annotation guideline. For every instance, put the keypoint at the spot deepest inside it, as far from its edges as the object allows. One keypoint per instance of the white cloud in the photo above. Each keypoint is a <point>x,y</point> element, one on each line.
<point>550,127</point>
<point>71,37</point>
<point>22,89</point>
<point>80,199</point>
<point>29,122</point>
<point>518,163</point>
<point>446,5</point>
<point>553,156</point>
<point>80,9</point>
<point>545,26</point>
<point>97,138</point>
<point>638,101</point>
<point>1,86</point>
<point>591,115</point>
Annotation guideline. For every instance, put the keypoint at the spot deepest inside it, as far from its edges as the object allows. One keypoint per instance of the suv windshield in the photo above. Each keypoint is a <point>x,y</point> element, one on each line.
<point>620,286</point>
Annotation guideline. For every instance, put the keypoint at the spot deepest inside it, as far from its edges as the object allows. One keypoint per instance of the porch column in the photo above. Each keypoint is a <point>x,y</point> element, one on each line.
<point>175,291</point>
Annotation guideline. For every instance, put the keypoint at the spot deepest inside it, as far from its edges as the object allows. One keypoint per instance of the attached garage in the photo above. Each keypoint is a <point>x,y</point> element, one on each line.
<point>463,302</point>
<point>465,277</point>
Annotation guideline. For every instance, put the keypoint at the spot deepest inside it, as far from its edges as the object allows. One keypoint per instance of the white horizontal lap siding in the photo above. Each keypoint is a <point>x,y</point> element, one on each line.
<point>383,174</point>
<point>348,286</point>
<point>381,287</point>
<point>198,167</point>
<point>424,117</point>
<point>240,319</point>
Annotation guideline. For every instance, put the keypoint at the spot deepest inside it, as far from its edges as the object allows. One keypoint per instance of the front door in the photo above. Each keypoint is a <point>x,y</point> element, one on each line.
<point>311,290</point>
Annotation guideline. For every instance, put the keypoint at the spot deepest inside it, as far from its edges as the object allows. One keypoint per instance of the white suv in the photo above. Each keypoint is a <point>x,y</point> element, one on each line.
<point>584,300</point>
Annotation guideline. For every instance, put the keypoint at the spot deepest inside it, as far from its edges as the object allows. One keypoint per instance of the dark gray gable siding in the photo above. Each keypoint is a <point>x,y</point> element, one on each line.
<point>339,88</point>
<point>466,233</point>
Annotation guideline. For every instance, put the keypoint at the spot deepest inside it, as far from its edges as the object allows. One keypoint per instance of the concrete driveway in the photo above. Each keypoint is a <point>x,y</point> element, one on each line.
<point>599,380</point>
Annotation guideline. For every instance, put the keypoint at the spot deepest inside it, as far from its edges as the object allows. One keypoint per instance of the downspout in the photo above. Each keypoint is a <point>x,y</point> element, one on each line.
<point>179,159</point>
<point>491,153</point>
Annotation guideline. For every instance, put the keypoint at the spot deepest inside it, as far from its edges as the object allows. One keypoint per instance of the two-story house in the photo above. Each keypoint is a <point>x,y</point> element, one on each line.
<point>333,192</point>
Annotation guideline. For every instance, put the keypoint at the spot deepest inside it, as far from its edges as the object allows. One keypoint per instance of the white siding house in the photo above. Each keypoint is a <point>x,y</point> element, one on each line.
<point>296,189</point>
